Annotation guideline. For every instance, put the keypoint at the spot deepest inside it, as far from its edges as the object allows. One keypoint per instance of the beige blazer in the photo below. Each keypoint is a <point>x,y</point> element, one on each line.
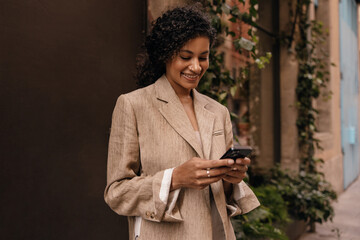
<point>151,133</point>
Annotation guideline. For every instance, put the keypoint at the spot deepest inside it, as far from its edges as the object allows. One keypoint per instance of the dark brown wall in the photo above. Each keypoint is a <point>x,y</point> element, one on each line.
<point>62,65</point>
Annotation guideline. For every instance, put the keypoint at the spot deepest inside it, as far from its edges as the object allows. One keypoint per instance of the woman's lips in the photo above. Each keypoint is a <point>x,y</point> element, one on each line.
<point>191,77</point>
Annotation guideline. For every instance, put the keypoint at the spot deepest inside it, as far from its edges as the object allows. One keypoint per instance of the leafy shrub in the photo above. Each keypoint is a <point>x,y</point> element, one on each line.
<point>308,195</point>
<point>267,221</point>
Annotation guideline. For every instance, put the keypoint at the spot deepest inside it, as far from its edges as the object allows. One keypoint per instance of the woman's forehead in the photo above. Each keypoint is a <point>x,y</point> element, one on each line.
<point>199,44</point>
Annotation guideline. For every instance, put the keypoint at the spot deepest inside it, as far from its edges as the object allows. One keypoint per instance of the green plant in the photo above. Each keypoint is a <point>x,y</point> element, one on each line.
<point>267,221</point>
<point>307,195</point>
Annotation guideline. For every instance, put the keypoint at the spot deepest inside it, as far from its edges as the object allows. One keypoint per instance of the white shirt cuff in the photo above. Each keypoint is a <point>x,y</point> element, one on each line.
<point>167,197</point>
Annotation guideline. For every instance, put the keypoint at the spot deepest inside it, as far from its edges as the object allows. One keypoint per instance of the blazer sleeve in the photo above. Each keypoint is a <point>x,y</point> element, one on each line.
<point>127,192</point>
<point>243,199</point>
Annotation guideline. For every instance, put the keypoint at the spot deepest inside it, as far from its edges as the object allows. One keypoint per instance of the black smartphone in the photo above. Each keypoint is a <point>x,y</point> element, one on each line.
<point>239,152</point>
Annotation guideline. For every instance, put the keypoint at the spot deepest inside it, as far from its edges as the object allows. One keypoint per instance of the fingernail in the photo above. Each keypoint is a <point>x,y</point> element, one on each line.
<point>230,162</point>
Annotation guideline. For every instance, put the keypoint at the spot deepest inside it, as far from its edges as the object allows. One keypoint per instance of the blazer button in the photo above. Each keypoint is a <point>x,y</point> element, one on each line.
<point>152,215</point>
<point>148,214</point>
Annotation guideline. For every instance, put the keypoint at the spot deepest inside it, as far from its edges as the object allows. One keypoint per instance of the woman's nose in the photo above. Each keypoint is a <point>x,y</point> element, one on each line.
<point>195,66</point>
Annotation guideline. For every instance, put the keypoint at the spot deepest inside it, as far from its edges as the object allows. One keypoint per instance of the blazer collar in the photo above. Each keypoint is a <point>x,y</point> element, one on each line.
<point>173,111</point>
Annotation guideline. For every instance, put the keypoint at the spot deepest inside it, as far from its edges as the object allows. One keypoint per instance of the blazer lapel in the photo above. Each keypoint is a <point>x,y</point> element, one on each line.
<point>174,113</point>
<point>205,120</point>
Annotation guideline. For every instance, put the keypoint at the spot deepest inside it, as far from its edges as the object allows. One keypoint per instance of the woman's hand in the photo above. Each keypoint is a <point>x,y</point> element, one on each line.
<point>198,173</point>
<point>238,172</point>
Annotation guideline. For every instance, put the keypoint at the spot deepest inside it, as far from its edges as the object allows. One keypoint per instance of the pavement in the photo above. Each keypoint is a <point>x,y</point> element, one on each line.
<point>346,223</point>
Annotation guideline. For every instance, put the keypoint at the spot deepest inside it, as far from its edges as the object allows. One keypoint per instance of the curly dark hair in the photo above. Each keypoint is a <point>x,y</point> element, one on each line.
<point>170,32</point>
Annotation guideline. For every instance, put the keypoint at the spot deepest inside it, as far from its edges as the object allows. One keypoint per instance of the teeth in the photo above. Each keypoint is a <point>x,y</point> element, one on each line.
<point>190,76</point>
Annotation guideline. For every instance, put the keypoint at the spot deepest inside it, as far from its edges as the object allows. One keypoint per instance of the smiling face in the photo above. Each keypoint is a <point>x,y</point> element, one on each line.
<point>186,68</point>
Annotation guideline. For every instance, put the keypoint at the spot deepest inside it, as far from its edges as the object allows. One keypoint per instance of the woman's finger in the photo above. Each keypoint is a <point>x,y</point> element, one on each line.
<point>243,161</point>
<point>233,179</point>
<point>236,173</point>
<point>202,183</point>
<point>214,172</point>
<point>216,163</point>
<point>241,168</point>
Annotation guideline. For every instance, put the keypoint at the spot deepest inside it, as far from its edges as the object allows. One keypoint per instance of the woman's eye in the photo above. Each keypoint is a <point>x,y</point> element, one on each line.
<point>200,58</point>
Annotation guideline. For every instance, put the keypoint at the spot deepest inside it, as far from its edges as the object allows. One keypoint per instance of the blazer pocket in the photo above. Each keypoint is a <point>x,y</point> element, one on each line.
<point>218,132</point>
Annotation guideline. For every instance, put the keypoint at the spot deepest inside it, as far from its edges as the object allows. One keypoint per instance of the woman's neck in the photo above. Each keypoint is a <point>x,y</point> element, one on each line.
<point>185,97</point>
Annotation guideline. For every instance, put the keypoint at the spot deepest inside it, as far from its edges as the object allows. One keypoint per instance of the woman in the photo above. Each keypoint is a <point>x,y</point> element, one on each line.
<point>163,135</point>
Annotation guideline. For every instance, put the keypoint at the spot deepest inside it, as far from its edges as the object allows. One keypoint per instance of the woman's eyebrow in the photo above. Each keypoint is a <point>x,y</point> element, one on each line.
<point>188,51</point>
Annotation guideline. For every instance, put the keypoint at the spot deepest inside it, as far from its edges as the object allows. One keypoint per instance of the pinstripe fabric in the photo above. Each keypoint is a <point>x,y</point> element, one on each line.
<point>151,133</point>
